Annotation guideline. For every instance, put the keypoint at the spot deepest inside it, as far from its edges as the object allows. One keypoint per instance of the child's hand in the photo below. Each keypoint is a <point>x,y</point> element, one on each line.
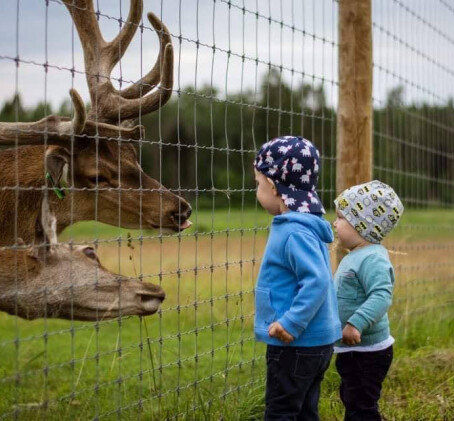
<point>277,331</point>
<point>351,335</point>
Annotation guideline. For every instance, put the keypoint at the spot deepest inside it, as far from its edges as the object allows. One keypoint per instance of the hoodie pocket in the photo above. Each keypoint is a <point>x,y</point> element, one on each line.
<point>264,312</point>
<point>348,286</point>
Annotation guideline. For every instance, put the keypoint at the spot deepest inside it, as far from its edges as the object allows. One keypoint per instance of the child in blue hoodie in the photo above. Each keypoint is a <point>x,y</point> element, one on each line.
<point>364,281</point>
<point>295,303</point>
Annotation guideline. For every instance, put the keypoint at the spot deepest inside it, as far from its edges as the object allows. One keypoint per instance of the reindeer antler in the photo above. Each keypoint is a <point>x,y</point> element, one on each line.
<point>54,127</point>
<point>110,105</point>
<point>59,130</point>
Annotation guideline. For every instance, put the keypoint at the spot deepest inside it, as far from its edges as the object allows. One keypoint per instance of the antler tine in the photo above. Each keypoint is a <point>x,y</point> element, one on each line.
<point>80,115</point>
<point>132,101</point>
<point>53,129</point>
<point>131,108</point>
<point>111,131</point>
<point>84,18</point>
<point>56,130</point>
<point>108,104</point>
<point>81,125</point>
<point>153,77</point>
<point>117,47</point>
<point>101,56</point>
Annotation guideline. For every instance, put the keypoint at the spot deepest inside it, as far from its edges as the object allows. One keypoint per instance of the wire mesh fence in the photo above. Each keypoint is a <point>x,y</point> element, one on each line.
<point>243,72</point>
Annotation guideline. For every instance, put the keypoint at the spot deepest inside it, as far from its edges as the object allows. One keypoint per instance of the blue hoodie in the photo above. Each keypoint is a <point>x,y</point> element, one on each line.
<point>295,285</point>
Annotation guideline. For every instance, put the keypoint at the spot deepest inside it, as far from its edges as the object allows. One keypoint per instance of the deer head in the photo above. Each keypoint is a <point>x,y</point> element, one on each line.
<point>67,282</point>
<point>106,180</point>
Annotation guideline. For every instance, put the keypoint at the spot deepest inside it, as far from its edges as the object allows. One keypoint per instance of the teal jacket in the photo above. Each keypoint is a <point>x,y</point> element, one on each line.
<point>295,286</point>
<point>364,282</point>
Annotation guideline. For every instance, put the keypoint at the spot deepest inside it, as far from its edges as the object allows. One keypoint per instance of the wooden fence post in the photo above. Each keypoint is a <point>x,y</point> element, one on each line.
<point>354,116</point>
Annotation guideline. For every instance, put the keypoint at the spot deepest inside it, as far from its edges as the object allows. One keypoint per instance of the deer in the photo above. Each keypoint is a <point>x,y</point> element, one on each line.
<point>95,152</point>
<point>55,280</point>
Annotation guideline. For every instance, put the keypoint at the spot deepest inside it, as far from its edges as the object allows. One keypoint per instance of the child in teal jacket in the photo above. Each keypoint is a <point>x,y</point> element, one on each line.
<point>364,281</point>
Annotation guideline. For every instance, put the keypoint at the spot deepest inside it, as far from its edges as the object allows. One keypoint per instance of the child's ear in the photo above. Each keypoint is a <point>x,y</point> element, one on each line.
<point>273,186</point>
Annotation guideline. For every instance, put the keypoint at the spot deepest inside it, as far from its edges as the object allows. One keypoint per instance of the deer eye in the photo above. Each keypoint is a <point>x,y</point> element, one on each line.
<point>90,253</point>
<point>100,179</point>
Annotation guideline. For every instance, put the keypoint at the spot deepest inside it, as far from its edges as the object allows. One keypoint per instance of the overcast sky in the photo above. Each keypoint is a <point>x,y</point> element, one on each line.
<point>413,45</point>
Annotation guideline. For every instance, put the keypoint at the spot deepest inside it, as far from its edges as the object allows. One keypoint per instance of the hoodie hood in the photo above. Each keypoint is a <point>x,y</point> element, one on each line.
<point>315,223</point>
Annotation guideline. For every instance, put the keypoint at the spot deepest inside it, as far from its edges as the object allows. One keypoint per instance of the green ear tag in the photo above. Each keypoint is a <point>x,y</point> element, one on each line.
<point>58,191</point>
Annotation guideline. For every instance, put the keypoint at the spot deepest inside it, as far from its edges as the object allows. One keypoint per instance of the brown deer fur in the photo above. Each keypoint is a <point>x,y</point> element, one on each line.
<point>59,281</point>
<point>106,181</point>
<point>136,201</point>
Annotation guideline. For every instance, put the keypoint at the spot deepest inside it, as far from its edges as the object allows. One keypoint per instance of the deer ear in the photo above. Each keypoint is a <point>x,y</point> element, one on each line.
<point>45,233</point>
<point>40,249</point>
<point>57,164</point>
<point>48,224</point>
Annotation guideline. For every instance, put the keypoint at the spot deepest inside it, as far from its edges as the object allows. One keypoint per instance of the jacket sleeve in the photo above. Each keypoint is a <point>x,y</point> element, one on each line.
<point>304,253</point>
<point>377,278</point>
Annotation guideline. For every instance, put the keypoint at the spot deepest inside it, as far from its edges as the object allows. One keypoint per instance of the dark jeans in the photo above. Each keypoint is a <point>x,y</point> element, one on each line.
<point>293,381</point>
<point>362,375</point>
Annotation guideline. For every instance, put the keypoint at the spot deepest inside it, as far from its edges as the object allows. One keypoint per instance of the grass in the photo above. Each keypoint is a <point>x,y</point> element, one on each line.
<point>196,359</point>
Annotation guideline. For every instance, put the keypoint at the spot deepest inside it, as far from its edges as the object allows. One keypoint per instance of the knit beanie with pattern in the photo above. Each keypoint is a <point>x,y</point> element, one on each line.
<point>372,208</point>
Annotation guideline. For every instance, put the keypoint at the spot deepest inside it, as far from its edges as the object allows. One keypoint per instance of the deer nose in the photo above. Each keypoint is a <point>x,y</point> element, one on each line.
<point>154,292</point>
<point>188,212</point>
<point>181,218</point>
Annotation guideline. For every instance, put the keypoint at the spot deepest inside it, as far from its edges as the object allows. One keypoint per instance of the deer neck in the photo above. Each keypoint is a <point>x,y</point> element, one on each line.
<point>21,182</point>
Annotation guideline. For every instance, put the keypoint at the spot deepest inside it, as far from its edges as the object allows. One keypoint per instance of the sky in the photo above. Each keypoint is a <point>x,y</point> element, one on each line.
<point>413,46</point>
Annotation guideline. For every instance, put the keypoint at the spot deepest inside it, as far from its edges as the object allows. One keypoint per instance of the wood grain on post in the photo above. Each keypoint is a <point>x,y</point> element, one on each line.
<point>354,117</point>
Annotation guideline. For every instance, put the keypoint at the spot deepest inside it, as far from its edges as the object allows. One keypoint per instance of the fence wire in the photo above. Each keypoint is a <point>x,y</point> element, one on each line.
<point>244,72</point>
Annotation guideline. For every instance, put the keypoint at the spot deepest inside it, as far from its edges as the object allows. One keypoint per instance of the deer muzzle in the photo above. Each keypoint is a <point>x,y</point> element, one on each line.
<point>181,218</point>
<point>127,298</point>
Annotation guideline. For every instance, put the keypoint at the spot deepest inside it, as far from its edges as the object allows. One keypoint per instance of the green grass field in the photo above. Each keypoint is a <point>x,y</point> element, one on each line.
<point>196,359</point>
<point>436,222</point>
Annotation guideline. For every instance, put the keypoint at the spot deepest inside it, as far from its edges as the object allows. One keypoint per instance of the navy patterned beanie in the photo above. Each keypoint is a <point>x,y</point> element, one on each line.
<point>293,163</point>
